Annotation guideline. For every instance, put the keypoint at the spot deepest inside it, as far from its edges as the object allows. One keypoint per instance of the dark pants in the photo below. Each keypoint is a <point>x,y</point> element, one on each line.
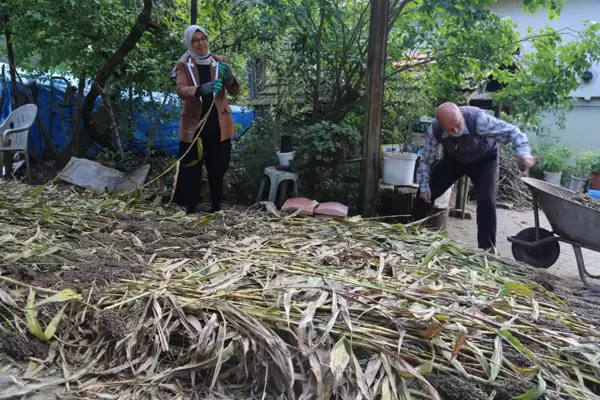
<point>216,157</point>
<point>484,175</point>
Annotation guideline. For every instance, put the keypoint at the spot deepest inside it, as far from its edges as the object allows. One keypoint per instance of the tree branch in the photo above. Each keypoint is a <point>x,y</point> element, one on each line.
<point>113,121</point>
<point>143,23</point>
<point>461,54</point>
<point>235,43</point>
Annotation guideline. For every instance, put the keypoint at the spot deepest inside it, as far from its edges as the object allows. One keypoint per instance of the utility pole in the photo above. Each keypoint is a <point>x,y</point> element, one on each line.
<point>194,13</point>
<point>369,174</point>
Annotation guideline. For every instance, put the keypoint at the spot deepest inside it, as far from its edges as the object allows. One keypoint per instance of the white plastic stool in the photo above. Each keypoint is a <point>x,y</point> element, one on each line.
<point>277,177</point>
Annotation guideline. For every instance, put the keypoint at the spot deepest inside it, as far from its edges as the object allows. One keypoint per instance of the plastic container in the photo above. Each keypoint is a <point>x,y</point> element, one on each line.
<point>443,201</point>
<point>578,184</point>
<point>285,158</point>
<point>594,193</point>
<point>595,182</point>
<point>399,168</point>
<point>439,219</point>
<point>552,177</point>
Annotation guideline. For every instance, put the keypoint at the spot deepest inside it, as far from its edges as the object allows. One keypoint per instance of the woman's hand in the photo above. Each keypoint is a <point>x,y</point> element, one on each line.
<point>209,87</point>
<point>226,72</point>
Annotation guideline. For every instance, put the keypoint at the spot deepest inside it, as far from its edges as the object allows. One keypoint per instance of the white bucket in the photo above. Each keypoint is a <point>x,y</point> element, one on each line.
<point>443,201</point>
<point>552,177</point>
<point>285,158</point>
<point>399,168</point>
<point>578,184</point>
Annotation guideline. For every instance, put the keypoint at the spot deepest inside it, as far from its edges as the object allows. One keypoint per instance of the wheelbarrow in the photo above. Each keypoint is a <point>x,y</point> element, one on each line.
<point>571,222</point>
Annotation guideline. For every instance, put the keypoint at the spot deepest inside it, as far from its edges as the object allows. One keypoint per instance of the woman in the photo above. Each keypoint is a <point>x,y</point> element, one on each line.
<point>201,79</point>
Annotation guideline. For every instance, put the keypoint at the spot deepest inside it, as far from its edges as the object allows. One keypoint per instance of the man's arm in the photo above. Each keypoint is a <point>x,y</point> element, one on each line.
<point>503,132</point>
<point>429,153</point>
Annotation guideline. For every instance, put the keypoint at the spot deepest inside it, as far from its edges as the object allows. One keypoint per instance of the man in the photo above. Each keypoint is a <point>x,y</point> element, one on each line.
<point>468,136</point>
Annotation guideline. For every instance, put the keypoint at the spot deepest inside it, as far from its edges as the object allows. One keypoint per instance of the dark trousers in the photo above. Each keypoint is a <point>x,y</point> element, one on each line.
<point>484,174</point>
<point>217,155</point>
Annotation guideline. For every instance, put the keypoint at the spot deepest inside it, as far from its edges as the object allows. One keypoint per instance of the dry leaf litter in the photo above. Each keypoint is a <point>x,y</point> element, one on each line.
<point>106,298</point>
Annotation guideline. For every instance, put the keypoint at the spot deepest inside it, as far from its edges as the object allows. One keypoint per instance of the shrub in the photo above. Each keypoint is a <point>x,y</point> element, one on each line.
<point>320,141</point>
<point>556,159</point>
<point>584,163</point>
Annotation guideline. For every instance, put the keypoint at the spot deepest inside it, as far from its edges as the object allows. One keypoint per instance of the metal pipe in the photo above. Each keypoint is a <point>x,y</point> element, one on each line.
<point>536,216</point>
<point>194,12</point>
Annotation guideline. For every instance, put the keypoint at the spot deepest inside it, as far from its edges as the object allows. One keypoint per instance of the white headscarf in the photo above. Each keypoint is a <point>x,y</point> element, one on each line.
<point>188,35</point>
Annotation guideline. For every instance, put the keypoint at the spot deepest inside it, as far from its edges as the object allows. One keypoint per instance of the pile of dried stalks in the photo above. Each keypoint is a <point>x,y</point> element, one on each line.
<point>114,298</point>
<point>511,189</point>
<point>586,200</point>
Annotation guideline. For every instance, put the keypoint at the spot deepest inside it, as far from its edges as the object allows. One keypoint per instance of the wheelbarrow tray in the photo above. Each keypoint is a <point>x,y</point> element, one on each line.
<point>568,219</point>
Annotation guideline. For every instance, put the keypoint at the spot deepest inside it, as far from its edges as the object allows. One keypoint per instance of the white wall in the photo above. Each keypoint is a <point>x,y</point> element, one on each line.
<point>582,125</point>
<point>572,16</point>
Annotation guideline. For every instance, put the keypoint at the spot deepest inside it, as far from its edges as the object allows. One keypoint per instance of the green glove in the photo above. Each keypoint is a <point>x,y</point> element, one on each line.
<point>210,87</point>
<point>225,71</point>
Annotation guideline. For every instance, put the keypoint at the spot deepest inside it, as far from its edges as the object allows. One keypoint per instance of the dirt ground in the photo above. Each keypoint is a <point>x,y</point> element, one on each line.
<point>510,223</point>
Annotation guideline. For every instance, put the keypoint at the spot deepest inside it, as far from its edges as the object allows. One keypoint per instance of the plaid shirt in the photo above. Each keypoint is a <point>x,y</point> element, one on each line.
<point>498,130</point>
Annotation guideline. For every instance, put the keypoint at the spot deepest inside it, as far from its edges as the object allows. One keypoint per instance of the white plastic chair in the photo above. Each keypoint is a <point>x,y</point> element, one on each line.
<point>14,133</point>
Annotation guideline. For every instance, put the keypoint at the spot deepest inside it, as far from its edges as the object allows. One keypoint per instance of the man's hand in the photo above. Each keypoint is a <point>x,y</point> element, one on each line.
<point>525,163</point>
<point>426,197</point>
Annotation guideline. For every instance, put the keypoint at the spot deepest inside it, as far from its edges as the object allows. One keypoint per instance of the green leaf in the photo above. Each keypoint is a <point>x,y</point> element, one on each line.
<point>51,328</point>
<point>207,219</point>
<point>49,250</point>
<point>516,343</point>
<point>534,392</point>
<point>63,295</point>
<point>386,393</point>
<point>516,288</point>
<point>32,322</point>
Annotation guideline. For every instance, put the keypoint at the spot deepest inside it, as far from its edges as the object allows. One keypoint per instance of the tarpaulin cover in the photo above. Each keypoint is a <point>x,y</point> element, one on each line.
<point>166,137</point>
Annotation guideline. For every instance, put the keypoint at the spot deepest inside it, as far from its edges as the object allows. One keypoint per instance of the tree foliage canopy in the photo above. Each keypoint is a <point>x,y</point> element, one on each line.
<point>316,50</point>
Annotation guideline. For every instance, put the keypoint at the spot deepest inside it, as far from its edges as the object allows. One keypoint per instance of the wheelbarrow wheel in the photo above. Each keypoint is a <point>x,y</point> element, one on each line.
<point>543,256</point>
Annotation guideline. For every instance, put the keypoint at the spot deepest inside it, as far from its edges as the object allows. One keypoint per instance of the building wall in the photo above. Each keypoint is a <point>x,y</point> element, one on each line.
<point>582,126</point>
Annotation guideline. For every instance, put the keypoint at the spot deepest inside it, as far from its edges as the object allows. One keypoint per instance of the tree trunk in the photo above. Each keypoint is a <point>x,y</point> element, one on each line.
<point>113,121</point>
<point>257,76</point>
<point>318,44</point>
<point>143,23</point>
<point>78,109</point>
<point>40,124</point>
<point>155,127</point>
<point>11,61</point>
<point>3,85</point>
<point>130,127</point>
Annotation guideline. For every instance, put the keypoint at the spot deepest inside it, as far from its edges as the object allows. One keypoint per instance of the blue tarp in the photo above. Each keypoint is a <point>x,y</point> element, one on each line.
<point>166,137</point>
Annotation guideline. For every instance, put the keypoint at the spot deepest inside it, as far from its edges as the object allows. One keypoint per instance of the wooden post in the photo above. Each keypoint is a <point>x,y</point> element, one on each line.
<point>459,193</point>
<point>369,177</point>
<point>194,13</point>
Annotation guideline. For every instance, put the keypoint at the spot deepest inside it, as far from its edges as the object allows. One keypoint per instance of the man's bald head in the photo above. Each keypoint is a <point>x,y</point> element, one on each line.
<point>450,118</point>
